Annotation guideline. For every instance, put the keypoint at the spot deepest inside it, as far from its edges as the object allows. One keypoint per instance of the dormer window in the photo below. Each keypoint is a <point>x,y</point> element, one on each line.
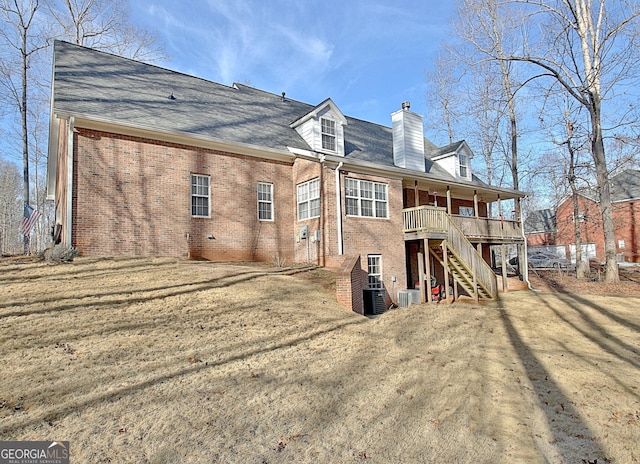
<point>463,161</point>
<point>323,128</point>
<point>328,130</point>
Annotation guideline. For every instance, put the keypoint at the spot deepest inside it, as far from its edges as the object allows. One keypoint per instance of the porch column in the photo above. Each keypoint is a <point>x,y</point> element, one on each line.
<point>426,284</point>
<point>446,268</point>
<point>505,286</point>
<point>421,276</point>
<point>448,200</point>
<point>475,203</point>
<point>416,194</point>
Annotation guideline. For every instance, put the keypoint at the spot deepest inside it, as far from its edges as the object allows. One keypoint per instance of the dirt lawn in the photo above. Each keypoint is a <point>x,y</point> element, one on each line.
<point>160,361</point>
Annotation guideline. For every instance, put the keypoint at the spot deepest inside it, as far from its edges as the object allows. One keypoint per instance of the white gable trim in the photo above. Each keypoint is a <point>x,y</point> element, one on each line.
<point>310,127</point>
<point>314,113</point>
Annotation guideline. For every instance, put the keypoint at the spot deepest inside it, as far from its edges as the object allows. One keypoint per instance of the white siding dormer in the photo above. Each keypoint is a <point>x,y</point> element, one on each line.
<point>456,160</point>
<point>323,128</point>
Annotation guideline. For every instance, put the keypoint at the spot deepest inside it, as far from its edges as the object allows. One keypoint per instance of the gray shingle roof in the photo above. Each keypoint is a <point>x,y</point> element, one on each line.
<point>452,147</point>
<point>626,185</point>
<point>541,221</point>
<point>117,90</point>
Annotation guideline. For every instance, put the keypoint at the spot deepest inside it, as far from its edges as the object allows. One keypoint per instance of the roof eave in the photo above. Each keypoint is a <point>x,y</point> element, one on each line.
<point>408,176</point>
<point>178,137</point>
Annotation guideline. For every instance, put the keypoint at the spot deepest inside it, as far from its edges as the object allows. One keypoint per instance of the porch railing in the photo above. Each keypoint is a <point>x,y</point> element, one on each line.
<point>429,218</point>
<point>433,219</point>
<point>488,228</point>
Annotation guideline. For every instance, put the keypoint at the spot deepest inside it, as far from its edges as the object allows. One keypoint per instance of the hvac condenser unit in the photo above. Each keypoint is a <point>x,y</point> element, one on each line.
<point>375,301</point>
<point>407,297</point>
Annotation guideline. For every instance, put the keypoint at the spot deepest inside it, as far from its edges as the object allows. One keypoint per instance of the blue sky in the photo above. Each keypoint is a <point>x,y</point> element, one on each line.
<point>368,56</point>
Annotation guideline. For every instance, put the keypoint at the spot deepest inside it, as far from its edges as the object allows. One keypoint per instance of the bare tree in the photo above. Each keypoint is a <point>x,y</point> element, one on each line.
<point>10,210</point>
<point>444,95</point>
<point>105,25</point>
<point>23,34</point>
<point>589,48</point>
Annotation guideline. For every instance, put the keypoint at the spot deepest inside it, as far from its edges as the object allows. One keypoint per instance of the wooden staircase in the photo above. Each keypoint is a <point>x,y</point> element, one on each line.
<point>465,264</point>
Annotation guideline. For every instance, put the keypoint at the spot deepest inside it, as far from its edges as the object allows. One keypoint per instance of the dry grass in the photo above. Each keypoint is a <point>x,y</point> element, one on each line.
<point>159,361</point>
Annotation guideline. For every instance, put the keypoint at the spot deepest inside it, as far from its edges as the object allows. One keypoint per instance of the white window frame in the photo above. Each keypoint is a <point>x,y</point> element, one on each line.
<point>374,271</point>
<point>364,196</point>
<point>463,165</point>
<point>199,195</point>
<point>265,201</point>
<point>308,199</point>
<point>328,133</point>
<point>466,211</point>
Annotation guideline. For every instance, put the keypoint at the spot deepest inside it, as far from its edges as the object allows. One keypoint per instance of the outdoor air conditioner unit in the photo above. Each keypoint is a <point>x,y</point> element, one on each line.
<point>375,301</point>
<point>407,297</point>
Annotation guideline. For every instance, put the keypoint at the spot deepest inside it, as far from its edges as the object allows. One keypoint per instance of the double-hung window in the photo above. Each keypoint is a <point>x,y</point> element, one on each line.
<point>308,199</point>
<point>265,201</point>
<point>365,198</point>
<point>328,131</point>
<point>200,195</point>
<point>467,211</point>
<point>463,162</point>
<point>374,267</point>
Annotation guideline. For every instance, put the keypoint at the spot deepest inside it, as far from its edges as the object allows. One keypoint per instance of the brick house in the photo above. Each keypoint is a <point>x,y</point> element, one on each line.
<point>148,161</point>
<point>560,231</point>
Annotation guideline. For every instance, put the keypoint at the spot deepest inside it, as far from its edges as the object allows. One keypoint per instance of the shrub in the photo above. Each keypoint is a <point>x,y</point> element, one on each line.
<point>60,254</point>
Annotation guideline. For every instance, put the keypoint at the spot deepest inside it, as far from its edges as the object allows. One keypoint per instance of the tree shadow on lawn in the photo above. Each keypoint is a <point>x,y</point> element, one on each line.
<point>127,295</point>
<point>558,408</point>
<point>274,343</point>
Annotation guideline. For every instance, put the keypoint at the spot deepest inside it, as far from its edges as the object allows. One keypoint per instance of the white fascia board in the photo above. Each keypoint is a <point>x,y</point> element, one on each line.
<point>181,138</point>
<point>366,167</point>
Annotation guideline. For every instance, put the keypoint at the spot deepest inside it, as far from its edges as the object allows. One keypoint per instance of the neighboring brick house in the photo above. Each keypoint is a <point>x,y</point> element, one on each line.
<point>540,228</point>
<point>625,198</point>
<point>145,161</point>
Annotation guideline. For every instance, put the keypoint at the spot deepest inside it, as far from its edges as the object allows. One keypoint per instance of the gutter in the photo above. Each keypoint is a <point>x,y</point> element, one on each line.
<point>69,218</point>
<point>525,254</point>
<point>339,209</point>
<point>175,136</point>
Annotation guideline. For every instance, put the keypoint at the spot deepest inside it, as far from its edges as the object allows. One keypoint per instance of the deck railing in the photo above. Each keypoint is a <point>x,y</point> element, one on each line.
<point>430,218</point>
<point>436,220</point>
<point>488,228</point>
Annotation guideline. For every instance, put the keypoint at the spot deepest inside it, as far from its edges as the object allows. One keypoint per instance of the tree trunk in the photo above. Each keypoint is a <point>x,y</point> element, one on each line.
<point>25,132</point>
<point>602,177</point>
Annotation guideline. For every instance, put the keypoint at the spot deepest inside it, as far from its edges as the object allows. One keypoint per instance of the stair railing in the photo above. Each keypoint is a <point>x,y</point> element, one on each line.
<point>466,252</point>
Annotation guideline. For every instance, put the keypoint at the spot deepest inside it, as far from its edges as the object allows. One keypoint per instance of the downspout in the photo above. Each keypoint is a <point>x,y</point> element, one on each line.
<point>339,209</point>
<point>525,252</point>
<point>69,225</point>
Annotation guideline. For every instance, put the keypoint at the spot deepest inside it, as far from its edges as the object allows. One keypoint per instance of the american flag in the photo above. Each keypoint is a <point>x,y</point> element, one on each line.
<point>31,216</point>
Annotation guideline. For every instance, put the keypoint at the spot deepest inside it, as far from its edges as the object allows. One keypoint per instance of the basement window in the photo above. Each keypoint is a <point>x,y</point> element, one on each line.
<point>200,195</point>
<point>374,266</point>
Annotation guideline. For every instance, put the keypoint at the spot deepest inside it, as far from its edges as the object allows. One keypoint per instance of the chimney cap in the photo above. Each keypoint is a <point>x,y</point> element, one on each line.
<point>406,105</point>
